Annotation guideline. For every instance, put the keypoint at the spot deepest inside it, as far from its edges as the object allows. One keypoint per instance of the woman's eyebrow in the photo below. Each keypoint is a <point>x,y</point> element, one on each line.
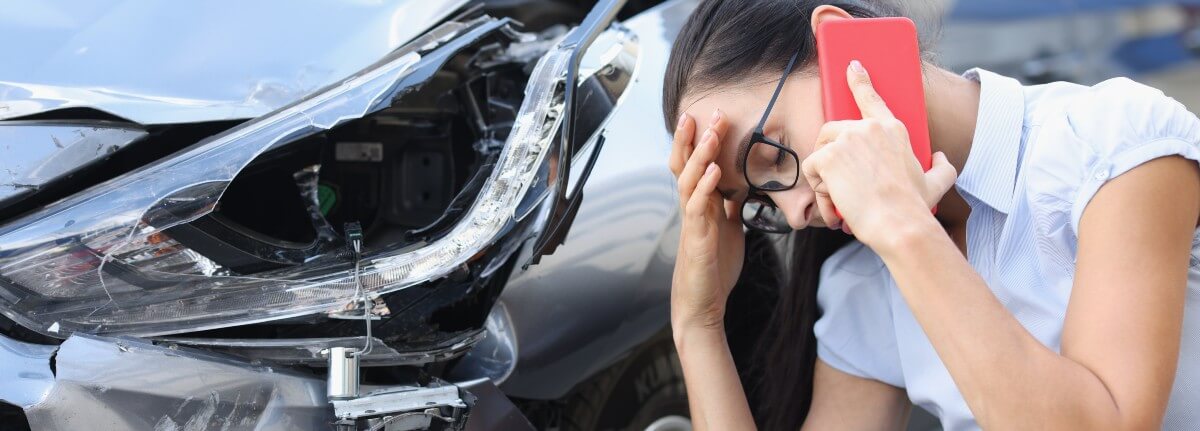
<point>743,145</point>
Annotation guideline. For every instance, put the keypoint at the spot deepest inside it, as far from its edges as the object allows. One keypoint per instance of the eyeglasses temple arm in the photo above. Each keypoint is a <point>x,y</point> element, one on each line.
<point>786,71</point>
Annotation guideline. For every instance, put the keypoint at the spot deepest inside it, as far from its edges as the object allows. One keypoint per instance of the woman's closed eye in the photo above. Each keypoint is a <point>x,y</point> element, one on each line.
<point>770,166</point>
<point>780,157</point>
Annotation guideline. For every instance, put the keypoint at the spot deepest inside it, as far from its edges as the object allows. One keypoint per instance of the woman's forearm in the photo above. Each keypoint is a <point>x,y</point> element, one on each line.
<point>715,395</point>
<point>1007,377</point>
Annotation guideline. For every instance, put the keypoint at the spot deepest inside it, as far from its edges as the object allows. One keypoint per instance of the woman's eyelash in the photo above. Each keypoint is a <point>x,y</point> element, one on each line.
<point>780,156</point>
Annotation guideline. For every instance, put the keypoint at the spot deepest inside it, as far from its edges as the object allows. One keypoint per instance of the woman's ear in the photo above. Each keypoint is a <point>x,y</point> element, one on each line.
<point>826,13</point>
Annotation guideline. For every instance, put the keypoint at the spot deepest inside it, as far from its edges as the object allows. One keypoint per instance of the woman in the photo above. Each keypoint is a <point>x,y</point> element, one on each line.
<point>1049,292</point>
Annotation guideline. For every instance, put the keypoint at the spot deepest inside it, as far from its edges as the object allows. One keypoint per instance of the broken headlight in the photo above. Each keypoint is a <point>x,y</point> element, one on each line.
<point>104,261</point>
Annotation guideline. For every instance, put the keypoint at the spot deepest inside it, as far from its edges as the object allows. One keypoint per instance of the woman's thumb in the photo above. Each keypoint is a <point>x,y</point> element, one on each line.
<point>939,178</point>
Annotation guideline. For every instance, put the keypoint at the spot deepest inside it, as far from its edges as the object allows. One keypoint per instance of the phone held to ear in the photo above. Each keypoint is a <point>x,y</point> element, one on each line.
<point>888,49</point>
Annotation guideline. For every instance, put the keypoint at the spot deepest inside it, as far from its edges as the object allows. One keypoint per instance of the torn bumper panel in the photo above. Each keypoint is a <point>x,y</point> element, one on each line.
<point>109,383</point>
<point>92,382</point>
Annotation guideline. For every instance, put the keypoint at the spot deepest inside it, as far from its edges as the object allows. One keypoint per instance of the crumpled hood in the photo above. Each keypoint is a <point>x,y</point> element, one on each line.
<point>176,62</point>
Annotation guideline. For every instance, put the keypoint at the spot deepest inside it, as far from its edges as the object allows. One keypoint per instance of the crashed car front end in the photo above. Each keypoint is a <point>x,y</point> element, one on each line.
<point>376,217</point>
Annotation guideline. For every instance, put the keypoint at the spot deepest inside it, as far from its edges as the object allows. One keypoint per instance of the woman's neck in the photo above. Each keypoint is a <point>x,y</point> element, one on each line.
<point>952,104</point>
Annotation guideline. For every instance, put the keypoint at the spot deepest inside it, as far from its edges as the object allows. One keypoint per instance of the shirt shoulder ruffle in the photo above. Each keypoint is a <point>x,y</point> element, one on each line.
<point>1084,136</point>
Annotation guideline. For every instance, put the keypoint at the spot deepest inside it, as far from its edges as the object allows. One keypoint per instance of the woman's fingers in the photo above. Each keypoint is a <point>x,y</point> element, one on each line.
<point>811,168</point>
<point>704,207</point>
<point>706,152</point>
<point>693,171</point>
<point>828,212</point>
<point>939,178</point>
<point>828,135</point>
<point>733,212</point>
<point>701,201</point>
<point>830,131</point>
<point>681,145</point>
<point>869,102</point>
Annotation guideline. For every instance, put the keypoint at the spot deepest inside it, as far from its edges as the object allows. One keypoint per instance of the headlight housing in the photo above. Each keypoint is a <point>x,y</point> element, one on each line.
<point>102,261</point>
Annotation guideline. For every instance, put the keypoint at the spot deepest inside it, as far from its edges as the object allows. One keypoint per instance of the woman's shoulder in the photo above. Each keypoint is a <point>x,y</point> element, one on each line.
<point>1080,137</point>
<point>856,333</point>
<point>1109,116</point>
<point>849,272</point>
<point>853,260</point>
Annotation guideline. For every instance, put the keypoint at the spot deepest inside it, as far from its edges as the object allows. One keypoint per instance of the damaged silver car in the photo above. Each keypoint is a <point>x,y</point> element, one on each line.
<point>357,215</point>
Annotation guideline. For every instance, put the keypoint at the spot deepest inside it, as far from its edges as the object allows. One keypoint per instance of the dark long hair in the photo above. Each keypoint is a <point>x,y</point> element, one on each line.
<point>723,44</point>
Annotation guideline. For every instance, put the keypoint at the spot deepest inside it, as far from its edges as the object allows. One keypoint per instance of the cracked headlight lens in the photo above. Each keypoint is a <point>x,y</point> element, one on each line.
<point>102,261</point>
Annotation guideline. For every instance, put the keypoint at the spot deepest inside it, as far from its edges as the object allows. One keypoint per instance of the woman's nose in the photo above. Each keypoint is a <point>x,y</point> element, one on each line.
<point>797,204</point>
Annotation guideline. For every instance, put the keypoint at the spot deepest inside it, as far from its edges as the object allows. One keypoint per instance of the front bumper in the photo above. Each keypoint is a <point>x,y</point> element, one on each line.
<point>92,382</point>
<point>103,383</point>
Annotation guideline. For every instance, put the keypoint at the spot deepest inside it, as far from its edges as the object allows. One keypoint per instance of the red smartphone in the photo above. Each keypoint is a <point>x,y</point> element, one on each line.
<point>888,49</point>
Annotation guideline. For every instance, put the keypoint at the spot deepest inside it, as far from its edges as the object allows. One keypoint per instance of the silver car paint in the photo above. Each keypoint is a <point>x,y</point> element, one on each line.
<point>47,151</point>
<point>181,62</point>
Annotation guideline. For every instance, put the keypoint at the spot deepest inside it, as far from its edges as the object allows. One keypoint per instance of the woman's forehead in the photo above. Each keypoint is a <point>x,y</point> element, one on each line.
<point>738,105</point>
<point>740,118</point>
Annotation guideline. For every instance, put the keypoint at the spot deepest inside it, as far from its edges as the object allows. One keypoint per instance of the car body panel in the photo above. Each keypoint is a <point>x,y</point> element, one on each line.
<point>47,151</point>
<point>156,63</point>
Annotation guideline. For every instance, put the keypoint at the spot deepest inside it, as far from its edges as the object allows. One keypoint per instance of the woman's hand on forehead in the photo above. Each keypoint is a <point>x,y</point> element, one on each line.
<point>711,241</point>
<point>685,144</point>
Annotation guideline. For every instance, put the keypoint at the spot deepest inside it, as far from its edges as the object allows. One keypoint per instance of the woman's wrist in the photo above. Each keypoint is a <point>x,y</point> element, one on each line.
<point>692,312</point>
<point>903,234</point>
<point>900,222</point>
<point>692,334</point>
<point>698,321</point>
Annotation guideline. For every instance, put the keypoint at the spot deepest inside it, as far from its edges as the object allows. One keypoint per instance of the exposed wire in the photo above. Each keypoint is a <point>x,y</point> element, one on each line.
<point>355,236</point>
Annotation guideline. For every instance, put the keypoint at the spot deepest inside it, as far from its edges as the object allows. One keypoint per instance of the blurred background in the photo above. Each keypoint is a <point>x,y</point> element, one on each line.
<point>1086,41</point>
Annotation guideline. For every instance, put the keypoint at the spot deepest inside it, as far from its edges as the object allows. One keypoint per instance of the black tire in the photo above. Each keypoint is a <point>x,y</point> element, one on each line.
<point>634,393</point>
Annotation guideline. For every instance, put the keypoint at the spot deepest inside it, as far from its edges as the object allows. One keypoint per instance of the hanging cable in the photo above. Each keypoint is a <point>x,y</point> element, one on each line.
<point>354,239</point>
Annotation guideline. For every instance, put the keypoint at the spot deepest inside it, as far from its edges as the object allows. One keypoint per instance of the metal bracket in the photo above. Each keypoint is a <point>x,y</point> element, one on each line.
<point>405,407</point>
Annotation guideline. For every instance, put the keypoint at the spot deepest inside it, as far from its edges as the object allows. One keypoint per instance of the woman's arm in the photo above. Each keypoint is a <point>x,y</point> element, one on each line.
<point>1121,337</point>
<point>848,403</point>
<point>715,395</point>
<point>707,264</point>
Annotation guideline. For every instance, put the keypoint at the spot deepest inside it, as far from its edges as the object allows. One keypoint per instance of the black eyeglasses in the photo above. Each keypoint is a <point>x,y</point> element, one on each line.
<point>768,167</point>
